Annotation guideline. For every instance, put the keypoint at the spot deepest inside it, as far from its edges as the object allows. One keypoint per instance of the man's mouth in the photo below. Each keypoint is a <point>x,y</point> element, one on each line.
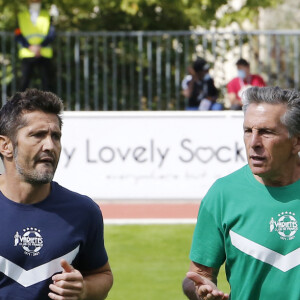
<point>257,158</point>
<point>46,159</point>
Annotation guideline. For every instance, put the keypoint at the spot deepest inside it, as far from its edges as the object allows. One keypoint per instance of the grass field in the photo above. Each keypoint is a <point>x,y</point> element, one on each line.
<point>150,261</point>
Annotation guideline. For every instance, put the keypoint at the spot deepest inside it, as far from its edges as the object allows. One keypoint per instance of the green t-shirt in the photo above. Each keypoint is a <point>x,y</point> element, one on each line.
<point>254,228</point>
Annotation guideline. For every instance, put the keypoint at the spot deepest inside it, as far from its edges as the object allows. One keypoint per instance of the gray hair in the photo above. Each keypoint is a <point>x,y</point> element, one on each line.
<point>276,95</point>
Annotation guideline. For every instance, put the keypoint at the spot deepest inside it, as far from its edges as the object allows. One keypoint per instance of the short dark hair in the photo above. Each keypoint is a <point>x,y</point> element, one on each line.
<point>31,100</point>
<point>242,62</point>
<point>200,64</point>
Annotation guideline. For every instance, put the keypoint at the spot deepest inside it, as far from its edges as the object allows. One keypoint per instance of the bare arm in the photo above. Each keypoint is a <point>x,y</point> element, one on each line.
<point>186,93</point>
<point>98,283</point>
<point>189,91</point>
<point>205,283</point>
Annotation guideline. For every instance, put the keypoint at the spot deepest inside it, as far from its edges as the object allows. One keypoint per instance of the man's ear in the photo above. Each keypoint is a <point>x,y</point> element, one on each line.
<point>296,144</point>
<point>6,147</point>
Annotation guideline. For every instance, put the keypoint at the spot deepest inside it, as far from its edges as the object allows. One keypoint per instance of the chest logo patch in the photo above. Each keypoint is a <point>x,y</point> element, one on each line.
<point>286,225</point>
<point>30,240</point>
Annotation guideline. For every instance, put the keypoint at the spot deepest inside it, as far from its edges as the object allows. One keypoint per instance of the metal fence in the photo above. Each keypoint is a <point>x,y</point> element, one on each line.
<point>143,70</point>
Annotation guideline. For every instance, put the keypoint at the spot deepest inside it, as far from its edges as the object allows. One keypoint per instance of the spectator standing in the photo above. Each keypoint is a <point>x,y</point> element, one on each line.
<point>34,34</point>
<point>243,81</point>
<point>199,87</point>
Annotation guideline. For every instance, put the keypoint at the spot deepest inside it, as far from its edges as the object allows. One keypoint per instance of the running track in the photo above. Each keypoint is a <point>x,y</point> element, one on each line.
<point>149,213</point>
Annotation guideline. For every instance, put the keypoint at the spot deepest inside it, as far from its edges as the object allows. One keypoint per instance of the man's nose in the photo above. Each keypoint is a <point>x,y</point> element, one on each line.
<point>255,140</point>
<point>48,143</point>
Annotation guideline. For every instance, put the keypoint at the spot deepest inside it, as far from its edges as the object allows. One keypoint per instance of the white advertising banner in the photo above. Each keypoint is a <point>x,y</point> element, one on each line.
<point>149,155</point>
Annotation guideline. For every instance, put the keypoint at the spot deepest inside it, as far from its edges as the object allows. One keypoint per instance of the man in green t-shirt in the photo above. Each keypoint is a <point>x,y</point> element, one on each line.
<point>249,219</point>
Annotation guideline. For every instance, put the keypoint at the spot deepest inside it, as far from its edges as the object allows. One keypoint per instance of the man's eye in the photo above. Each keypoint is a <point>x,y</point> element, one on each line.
<point>266,132</point>
<point>38,135</point>
<point>56,136</point>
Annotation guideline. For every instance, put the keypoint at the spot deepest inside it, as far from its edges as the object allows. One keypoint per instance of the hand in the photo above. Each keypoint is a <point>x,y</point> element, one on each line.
<point>205,288</point>
<point>191,71</point>
<point>36,49</point>
<point>68,285</point>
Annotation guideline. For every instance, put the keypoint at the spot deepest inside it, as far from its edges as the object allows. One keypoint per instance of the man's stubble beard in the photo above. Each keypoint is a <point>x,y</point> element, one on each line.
<point>33,176</point>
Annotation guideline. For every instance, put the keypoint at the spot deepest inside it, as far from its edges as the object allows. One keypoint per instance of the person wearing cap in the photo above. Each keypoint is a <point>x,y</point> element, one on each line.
<point>240,83</point>
<point>34,35</point>
<point>199,87</point>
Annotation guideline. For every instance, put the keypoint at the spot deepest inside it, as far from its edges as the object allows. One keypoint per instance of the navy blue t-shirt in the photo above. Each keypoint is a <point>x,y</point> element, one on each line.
<point>34,238</point>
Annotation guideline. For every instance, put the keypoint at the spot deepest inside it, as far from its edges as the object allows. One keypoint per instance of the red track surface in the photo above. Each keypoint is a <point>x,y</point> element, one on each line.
<point>149,210</point>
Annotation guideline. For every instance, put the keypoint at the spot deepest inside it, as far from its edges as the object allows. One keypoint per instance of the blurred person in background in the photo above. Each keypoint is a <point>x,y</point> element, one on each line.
<point>240,83</point>
<point>34,35</point>
<point>199,87</point>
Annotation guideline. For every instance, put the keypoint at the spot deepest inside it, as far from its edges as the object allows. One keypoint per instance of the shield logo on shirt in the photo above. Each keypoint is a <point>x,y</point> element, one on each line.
<point>31,241</point>
<point>286,225</point>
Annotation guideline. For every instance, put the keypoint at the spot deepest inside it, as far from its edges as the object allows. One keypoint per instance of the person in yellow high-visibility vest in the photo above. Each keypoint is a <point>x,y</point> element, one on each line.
<point>34,35</point>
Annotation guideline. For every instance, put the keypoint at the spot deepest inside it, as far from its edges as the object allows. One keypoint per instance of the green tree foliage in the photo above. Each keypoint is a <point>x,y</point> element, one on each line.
<point>248,11</point>
<point>94,15</point>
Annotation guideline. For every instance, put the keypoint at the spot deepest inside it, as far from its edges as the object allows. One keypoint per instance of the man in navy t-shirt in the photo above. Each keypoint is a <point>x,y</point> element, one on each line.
<point>51,238</point>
